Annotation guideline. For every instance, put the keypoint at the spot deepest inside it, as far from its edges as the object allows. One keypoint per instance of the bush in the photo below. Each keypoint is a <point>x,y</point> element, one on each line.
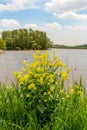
<point>40,83</point>
<point>2,44</point>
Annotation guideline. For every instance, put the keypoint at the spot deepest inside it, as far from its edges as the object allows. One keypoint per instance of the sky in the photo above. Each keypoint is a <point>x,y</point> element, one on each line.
<point>64,21</point>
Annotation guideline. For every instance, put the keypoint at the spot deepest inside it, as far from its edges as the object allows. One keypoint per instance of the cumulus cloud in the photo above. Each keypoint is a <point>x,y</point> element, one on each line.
<point>73,15</point>
<point>66,5</point>
<point>19,5</point>
<point>33,26</point>
<point>9,24</point>
<point>53,26</point>
<point>67,9</point>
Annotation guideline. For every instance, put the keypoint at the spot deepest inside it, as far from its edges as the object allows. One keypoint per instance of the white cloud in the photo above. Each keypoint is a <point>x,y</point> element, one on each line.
<point>66,5</point>
<point>19,5</point>
<point>33,26</point>
<point>73,15</point>
<point>9,24</point>
<point>67,9</point>
<point>53,26</point>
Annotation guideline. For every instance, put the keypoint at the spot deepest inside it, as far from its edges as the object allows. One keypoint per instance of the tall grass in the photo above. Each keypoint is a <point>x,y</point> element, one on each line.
<point>37,103</point>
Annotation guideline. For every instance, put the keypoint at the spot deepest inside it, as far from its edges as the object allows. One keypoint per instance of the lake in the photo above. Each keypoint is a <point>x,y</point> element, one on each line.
<point>76,59</point>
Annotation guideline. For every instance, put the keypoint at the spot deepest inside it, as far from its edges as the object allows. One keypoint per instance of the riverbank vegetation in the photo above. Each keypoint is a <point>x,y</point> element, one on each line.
<point>24,39</point>
<point>40,100</point>
<point>84,46</point>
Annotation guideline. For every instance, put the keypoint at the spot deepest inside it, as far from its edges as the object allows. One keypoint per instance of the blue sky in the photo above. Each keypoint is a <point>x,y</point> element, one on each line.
<point>64,21</point>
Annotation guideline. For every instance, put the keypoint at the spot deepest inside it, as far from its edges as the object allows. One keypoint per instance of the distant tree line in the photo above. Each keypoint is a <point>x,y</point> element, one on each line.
<point>25,39</point>
<point>84,46</point>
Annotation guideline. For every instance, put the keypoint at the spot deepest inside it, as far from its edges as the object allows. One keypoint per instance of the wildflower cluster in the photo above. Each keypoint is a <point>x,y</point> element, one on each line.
<point>40,82</point>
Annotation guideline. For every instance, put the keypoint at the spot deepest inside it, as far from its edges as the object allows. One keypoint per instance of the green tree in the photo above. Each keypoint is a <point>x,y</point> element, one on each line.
<point>2,44</point>
<point>26,39</point>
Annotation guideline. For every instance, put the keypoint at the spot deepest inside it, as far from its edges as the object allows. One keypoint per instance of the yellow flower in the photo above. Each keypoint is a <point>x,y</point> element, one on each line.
<point>55,58</point>
<point>38,51</point>
<point>25,62</point>
<point>43,75</point>
<point>61,91</point>
<point>32,86</point>
<point>76,86</point>
<point>38,69</point>
<point>15,73</point>
<point>80,93</point>
<point>72,91</point>
<point>56,83</point>
<point>29,73</point>
<point>67,96</point>
<point>68,69</point>
<point>44,93</point>
<point>27,95</point>
<point>36,75</point>
<point>49,92</point>
<point>23,69</point>
<point>64,74</point>
<point>21,83</point>
<point>51,81</point>
<point>51,89</point>
<point>26,76</point>
<point>41,80</point>
<point>60,63</point>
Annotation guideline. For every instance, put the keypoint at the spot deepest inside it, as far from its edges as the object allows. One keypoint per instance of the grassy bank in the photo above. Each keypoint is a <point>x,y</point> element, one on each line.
<point>40,101</point>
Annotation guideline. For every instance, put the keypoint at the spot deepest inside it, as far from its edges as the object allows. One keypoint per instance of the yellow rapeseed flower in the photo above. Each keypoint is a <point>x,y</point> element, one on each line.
<point>68,69</point>
<point>61,91</point>
<point>32,86</point>
<point>67,96</point>
<point>49,92</point>
<point>28,95</point>
<point>26,76</point>
<point>38,69</point>
<point>44,93</point>
<point>51,89</point>
<point>15,73</point>
<point>25,62</point>
<point>23,69</point>
<point>79,93</point>
<point>72,91</point>
<point>64,74</point>
<point>43,75</point>
<point>38,51</point>
<point>55,58</point>
<point>41,80</point>
<point>76,86</point>
<point>36,75</point>
<point>21,81</point>
<point>56,83</point>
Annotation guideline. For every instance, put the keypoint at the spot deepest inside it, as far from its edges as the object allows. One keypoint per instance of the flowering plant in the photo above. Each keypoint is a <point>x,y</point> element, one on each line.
<point>40,83</point>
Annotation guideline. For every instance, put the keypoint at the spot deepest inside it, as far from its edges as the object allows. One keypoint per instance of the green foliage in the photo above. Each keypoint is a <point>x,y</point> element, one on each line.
<point>38,83</point>
<point>2,44</point>
<point>26,39</point>
<point>39,100</point>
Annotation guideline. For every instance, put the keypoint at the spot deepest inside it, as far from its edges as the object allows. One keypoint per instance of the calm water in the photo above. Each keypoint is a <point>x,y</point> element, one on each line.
<point>76,59</point>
